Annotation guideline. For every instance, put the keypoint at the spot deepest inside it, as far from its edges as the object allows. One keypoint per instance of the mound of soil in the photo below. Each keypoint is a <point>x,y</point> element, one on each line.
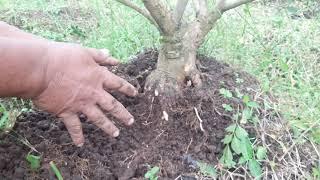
<point>173,145</point>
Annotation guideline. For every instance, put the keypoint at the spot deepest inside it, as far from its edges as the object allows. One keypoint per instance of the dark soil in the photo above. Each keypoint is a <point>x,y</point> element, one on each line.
<point>173,145</point>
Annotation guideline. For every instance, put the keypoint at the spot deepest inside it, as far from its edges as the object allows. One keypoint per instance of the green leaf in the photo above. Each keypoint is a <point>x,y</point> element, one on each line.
<point>4,119</point>
<point>246,99</point>
<point>225,92</point>
<point>241,133</point>
<point>227,139</point>
<point>242,160</point>
<point>227,107</point>
<point>227,158</point>
<point>283,66</point>
<point>236,145</point>
<point>231,128</point>
<point>207,169</point>
<point>152,173</point>
<point>261,153</point>
<point>255,168</point>
<point>253,104</point>
<point>246,149</point>
<point>246,115</point>
<point>34,161</point>
<point>292,10</point>
<point>56,171</point>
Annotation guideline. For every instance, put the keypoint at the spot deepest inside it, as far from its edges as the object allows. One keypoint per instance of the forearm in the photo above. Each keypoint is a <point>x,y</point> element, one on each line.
<point>9,31</point>
<point>21,68</point>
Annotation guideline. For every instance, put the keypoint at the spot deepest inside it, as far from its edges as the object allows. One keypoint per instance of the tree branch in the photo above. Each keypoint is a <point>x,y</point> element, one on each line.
<point>201,7</point>
<point>161,14</point>
<point>143,12</point>
<point>179,11</point>
<point>225,5</point>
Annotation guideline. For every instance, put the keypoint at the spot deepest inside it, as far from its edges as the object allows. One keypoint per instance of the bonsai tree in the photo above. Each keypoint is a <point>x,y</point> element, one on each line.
<point>181,35</point>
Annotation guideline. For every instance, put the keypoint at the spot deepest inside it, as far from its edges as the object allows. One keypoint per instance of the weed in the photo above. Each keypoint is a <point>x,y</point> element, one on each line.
<point>56,171</point>
<point>34,161</point>
<point>152,173</point>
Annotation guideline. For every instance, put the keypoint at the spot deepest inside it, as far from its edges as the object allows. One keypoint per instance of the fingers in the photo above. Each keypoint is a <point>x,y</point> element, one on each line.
<point>102,57</point>
<point>116,109</point>
<point>73,125</point>
<point>113,82</point>
<point>96,116</point>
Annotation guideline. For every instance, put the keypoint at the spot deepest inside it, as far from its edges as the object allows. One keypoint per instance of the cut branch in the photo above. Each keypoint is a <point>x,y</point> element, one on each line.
<point>179,11</point>
<point>143,12</point>
<point>162,15</point>
<point>225,5</point>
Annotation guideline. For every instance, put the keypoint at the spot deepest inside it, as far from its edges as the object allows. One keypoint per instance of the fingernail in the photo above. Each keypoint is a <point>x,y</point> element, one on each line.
<point>116,134</point>
<point>80,145</point>
<point>131,121</point>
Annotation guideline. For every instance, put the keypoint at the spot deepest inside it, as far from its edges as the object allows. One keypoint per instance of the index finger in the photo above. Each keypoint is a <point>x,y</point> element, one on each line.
<point>114,82</point>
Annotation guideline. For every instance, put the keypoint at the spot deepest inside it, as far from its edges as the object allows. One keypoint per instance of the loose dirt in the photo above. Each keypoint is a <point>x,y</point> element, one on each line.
<point>173,145</point>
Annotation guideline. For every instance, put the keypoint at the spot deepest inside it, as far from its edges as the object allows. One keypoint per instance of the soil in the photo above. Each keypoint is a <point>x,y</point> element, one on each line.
<point>174,145</point>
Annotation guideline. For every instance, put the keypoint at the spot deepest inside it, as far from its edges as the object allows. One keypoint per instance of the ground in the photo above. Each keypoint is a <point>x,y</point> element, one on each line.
<point>151,141</point>
<point>277,42</point>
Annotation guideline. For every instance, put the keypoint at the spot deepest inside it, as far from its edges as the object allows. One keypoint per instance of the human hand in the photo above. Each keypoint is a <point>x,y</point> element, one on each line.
<point>75,82</point>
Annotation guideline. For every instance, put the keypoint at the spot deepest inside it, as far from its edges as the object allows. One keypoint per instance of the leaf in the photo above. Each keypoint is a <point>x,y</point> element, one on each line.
<point>246,115</point>
<point>236,145</point>
<point>241,133</point>
<point>152,173</point>
<point>225,92</point>
<point>227,158</point>
<point>227,139</point>
<point>207,169</point>
<point>4,119</point>
<point>231,128</point>
<point>255,168</point>
<point>246,149</point>
<point>56,170</point>
<point>253,104</point>
<point>34,161</point>
<point>283,66</point>
<point>261,153</point>
<point>227,107</point>
<point>242,160</point>
<point>292,10</point>
<point>246,99</point>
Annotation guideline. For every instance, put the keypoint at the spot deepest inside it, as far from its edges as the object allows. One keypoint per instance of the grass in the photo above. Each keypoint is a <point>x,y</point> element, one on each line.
<point>276,42</point>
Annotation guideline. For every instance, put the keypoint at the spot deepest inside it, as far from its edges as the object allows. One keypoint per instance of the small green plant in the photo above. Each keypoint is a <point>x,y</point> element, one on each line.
<point>207,170</point>
<point>4,115</point>
<point>316,172</point>
<point>225,93</point>
<point>56,170</point>
<point>152,173</point>
<point>34,161</point>
<point>227,107</point>
<point>238,144</point>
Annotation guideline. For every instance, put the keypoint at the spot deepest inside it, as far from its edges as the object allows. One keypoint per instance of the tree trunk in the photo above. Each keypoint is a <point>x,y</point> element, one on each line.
<point>176,66</point>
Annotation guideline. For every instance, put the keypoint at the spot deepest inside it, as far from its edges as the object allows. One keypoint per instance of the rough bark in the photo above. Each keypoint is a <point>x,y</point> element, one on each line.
<point>177,54</point>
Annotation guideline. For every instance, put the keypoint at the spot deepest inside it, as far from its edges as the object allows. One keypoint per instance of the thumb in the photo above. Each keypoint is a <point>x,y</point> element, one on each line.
<point>74,127</point>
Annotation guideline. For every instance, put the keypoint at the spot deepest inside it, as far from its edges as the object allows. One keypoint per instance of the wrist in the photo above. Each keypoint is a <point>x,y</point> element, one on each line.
<point>23,67</point>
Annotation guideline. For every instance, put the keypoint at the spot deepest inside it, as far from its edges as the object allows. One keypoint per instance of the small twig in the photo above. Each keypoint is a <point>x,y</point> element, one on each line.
<point>188,146</point>
<point>200,120</point>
